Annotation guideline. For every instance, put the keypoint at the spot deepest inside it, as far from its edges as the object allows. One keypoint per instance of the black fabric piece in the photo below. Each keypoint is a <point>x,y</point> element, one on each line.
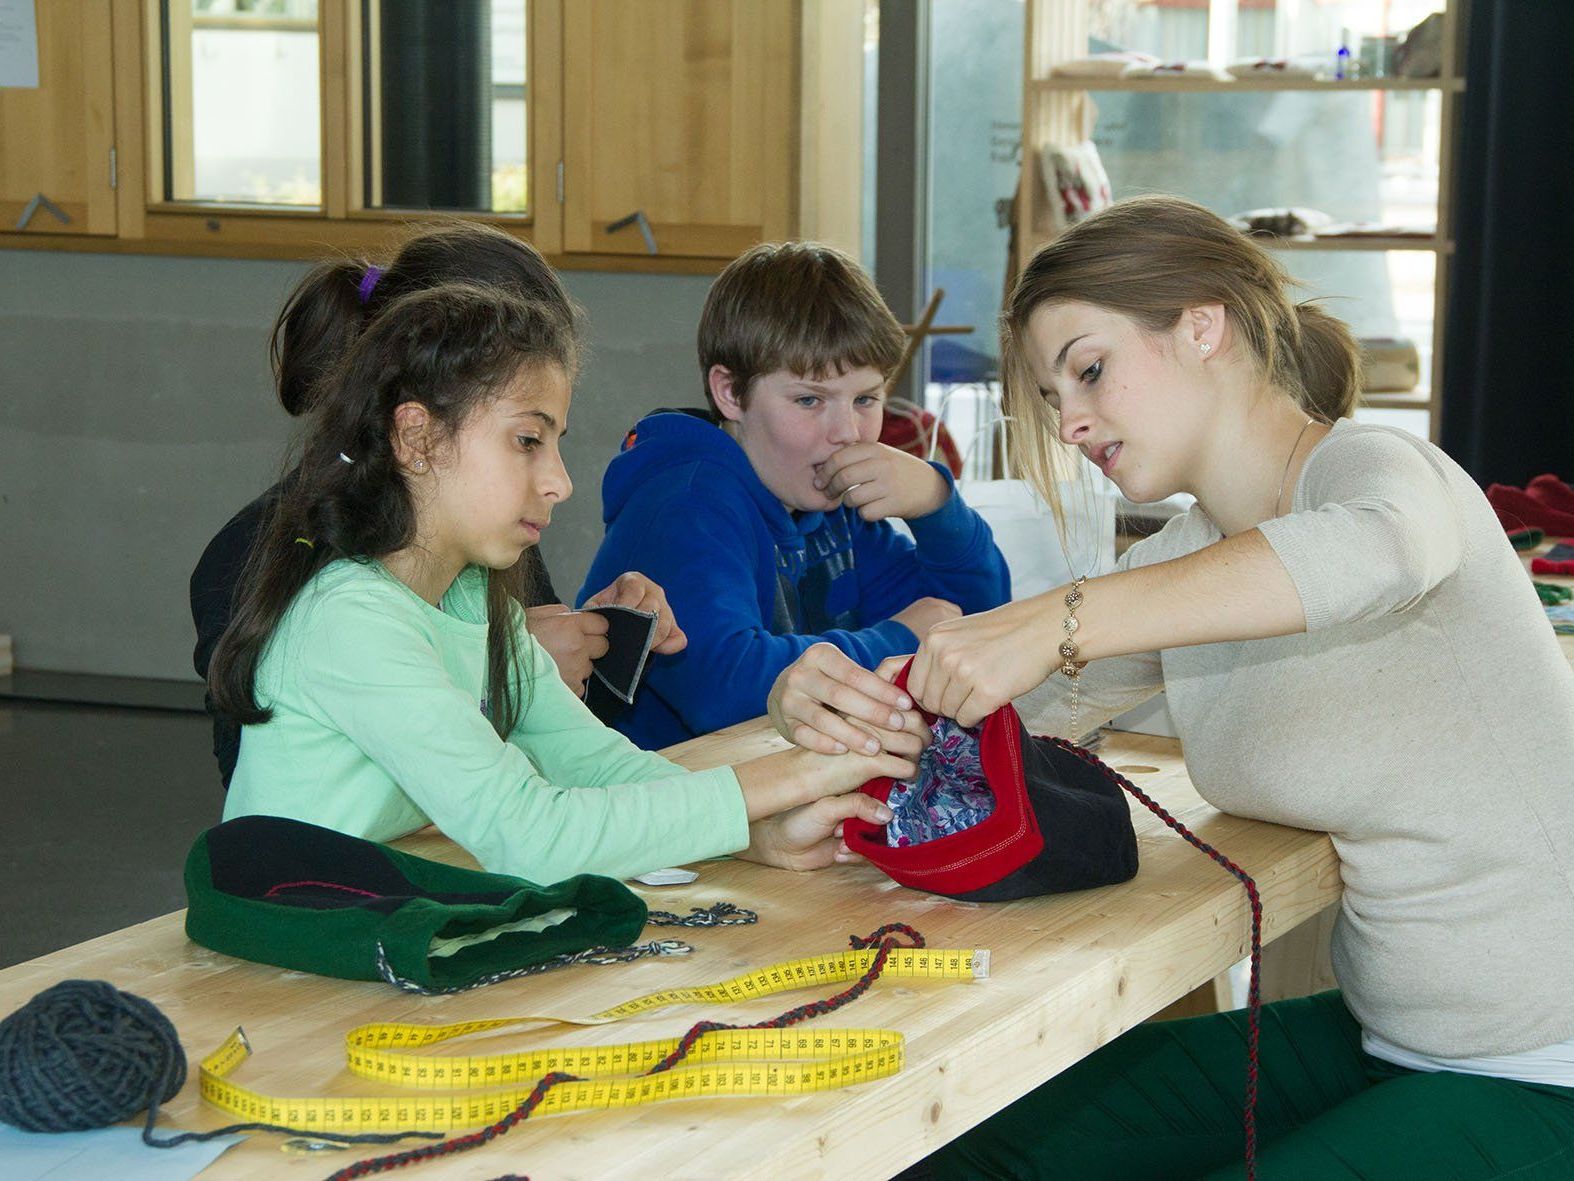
<point>213,588</point>
<point>253,856</point>
<point>630,634</point>
<point>1507,369</point>
<point>1089,840</point>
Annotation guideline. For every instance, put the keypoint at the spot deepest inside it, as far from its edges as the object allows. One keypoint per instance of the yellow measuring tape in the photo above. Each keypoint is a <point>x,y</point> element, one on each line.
<point>777,1062</point>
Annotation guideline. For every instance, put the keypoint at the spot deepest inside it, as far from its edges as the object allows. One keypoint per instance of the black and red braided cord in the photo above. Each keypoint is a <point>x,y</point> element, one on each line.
<point>884,937</point>
<point>1254,990</point>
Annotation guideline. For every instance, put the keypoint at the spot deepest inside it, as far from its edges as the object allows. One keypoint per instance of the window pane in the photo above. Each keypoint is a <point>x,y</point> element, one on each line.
<point>1314,30</point>
<point>1362,157</point>
<point>1174,32</point>
<point>242,110</point>
<point>446,103</point>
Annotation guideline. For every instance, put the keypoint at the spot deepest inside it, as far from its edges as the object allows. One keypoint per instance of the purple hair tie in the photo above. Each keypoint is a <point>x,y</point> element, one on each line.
<point>369,281</point>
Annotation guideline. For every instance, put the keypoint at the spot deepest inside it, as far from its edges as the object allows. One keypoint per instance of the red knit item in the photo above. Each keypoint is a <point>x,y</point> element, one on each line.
<point>1548,566</point>
<point>1552,492</point>
<point>456,1144</point>
<point>1518,505</point>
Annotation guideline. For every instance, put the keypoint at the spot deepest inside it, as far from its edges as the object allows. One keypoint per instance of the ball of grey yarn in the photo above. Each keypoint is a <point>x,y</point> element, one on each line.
<point>84,1055</point>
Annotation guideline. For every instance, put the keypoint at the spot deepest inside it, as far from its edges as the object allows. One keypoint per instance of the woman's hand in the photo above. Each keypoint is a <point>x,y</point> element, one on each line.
<point>572,638</point>
<point>880,482</point>
<point>819,696</point>
<point>633,589</point>
<point>810,836</point>
<point>967,668</point>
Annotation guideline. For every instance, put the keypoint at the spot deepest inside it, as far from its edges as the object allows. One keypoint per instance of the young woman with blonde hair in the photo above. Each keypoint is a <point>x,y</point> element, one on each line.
<point>1348,643</point>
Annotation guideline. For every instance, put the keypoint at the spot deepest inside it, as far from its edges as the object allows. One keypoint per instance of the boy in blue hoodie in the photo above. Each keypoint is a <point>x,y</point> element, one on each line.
<point>767,518</point>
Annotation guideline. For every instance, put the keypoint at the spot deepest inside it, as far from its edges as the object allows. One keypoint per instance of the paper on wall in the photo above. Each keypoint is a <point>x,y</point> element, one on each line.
<point>18,44</point>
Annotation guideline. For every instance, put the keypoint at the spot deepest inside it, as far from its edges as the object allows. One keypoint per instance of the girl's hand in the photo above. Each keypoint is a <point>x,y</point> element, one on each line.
<point>815,696</point>
<point>633,589</point>
<point>788,779</point>
<point>810,837</point>
<point>967,668</point>
<point>881,482</point>
<point>572,638</point>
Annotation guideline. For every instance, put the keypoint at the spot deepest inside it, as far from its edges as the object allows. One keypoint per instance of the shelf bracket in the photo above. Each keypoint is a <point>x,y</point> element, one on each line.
<point>637,218</point>
<point>38,202</point>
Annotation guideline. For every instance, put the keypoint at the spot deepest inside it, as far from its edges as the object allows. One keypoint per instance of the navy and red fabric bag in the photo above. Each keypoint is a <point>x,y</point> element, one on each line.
<point>1056,818</point>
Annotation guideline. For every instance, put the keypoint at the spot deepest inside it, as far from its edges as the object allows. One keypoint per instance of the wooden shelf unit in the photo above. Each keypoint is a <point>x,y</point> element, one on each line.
<point>1206,85</point>
<point>1060,110</point>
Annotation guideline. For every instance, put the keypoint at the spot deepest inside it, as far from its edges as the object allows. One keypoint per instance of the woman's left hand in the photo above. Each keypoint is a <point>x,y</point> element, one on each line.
<point>967,668</point>
<point>635,590</point>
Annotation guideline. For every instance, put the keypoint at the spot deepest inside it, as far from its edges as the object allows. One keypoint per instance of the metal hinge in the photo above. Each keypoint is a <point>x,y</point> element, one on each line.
<point>114,170</point>
<point>560,182</point>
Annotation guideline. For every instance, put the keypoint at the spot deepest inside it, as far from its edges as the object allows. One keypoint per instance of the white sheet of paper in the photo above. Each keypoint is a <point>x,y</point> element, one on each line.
<point>668,877</point>
<point>116,1152</point>
<point>18,44</point>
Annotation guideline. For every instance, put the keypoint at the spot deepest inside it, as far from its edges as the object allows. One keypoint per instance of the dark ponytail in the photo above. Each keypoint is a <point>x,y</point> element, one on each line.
<point>451,348</point>
<point>320,319</point>
<point>330,307</point>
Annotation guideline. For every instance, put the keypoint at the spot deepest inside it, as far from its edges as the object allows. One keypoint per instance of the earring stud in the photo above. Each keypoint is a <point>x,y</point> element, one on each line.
<point>1205,348</point>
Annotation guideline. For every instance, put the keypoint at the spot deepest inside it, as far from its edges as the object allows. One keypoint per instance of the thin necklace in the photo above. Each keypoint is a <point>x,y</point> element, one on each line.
<point>1294,447</point>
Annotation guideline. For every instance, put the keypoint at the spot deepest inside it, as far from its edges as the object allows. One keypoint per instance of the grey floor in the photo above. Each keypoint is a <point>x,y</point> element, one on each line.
<point>100,805</point>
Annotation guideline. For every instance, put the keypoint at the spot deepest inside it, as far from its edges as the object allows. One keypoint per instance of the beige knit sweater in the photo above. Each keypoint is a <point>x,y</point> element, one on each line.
<point>1425,720</point>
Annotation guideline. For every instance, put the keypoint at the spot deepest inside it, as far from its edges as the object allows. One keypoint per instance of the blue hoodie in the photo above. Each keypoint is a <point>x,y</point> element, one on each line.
<point>753,585</point>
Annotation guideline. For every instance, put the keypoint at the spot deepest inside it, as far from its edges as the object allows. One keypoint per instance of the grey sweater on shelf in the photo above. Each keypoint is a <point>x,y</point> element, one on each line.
<point>1425,720</point>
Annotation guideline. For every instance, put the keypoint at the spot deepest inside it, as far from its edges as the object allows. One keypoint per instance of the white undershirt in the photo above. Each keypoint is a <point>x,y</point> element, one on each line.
<point>1552,1064</point>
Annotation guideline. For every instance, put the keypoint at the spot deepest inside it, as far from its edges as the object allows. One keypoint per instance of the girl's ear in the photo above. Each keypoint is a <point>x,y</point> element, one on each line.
<point>724,392</point>
<point>412,436</point>
<point>1204,329</point>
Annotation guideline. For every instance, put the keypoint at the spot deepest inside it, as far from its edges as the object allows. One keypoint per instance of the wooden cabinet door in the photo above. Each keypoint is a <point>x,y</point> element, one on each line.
<point>685,111</point>
<point>55,140</point>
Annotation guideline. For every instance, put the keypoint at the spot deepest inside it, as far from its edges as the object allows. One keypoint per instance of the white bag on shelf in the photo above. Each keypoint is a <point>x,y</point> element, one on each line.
<point>1024,525</point>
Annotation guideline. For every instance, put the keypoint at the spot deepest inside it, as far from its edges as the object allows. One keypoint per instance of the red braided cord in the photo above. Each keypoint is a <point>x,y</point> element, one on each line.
<point>1254,991</point>
<point>383,1164</point>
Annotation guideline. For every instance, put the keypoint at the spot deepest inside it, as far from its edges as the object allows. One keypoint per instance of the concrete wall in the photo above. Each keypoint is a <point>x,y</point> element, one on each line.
<point>136,415</point>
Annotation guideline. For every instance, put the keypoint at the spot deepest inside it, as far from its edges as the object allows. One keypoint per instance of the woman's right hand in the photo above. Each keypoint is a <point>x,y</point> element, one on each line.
<point>819,700</point>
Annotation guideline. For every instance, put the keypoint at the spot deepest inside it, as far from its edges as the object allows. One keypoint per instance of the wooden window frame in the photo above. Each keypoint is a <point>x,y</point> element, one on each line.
<point>820,188</point>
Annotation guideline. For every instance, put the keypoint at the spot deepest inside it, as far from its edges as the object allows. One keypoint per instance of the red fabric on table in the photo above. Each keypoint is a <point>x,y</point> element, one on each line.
<point>1552,492</point>
<point>1523,509</point>
<point>1548,566</point>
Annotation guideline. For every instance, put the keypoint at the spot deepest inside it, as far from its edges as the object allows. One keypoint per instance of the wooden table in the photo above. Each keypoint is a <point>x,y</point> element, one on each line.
<point>1069,974</point>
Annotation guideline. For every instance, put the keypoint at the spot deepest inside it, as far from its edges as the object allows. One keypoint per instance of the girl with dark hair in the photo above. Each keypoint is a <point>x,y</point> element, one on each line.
<point>1348,643</point>
<point>321,318</point>
<point>379,660</point>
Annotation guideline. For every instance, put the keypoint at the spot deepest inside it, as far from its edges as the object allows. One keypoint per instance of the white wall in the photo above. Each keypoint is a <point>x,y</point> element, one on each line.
<point>136,416</point>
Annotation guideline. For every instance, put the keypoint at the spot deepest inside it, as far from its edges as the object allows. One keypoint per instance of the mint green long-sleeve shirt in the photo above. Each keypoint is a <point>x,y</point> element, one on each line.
<point>378,729</point>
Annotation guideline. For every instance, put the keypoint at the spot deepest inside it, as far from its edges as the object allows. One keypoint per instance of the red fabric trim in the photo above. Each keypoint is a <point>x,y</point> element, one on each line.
<point>991,850</point>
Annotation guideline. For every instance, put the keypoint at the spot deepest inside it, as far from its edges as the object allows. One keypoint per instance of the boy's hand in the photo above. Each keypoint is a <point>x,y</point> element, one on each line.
<point>810,837</point>
<point>572,638</point>
<point>881,482</point>
<point>918,617</point>
<point>815,697</point>
<point>633,589</point>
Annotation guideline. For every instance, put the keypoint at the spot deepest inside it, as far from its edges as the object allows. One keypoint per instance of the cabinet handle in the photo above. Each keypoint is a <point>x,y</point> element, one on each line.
<point>637,218</point>
<point>40,201</point>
